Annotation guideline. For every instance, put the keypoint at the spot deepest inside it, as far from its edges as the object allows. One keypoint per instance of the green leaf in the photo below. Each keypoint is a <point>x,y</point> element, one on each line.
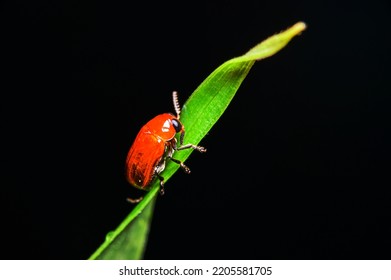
<point>200,112</point>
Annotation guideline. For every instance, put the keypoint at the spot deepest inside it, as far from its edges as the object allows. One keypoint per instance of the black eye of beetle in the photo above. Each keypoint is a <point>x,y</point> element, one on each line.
<point>177,125</point>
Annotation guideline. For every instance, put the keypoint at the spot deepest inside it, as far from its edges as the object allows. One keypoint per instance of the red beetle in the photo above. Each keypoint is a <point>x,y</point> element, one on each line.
<point>154,144</point>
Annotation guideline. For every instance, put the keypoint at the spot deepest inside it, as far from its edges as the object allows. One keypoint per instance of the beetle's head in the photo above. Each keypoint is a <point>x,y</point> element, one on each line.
<point>179,128</point>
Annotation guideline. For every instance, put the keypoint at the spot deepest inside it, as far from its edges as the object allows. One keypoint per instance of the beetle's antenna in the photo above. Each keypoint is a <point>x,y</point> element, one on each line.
<point>176,104</point>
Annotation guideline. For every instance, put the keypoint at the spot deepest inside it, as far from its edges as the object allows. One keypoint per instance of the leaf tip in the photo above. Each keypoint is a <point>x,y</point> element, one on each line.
<point>299,27</point>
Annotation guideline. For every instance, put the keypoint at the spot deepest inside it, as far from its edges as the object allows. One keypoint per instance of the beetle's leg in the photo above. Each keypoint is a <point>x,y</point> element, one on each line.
<point>161,183</point>
<point>134,200</point>
<point>194,147</point>
<point>187,146</point>
<point>184,167</point>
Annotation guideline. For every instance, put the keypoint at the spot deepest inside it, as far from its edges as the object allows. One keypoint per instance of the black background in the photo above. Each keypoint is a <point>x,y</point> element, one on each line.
<point>296,168</point>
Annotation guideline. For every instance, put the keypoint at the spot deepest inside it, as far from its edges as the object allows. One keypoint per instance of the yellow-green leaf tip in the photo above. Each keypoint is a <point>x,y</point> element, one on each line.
<point>274,43</point>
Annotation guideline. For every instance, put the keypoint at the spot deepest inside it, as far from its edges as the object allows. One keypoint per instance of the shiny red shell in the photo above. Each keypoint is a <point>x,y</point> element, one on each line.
<point>147,156</point>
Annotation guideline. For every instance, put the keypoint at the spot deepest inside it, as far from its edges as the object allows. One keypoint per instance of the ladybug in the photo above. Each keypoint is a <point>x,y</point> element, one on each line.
<point>154,144</point>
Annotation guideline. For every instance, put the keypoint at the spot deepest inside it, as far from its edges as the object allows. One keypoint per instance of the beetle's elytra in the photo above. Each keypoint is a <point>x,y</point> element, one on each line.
<point>154,144</point>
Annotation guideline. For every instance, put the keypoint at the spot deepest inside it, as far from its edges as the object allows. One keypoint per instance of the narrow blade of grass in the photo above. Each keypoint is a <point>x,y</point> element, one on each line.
<point>200,112</point>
